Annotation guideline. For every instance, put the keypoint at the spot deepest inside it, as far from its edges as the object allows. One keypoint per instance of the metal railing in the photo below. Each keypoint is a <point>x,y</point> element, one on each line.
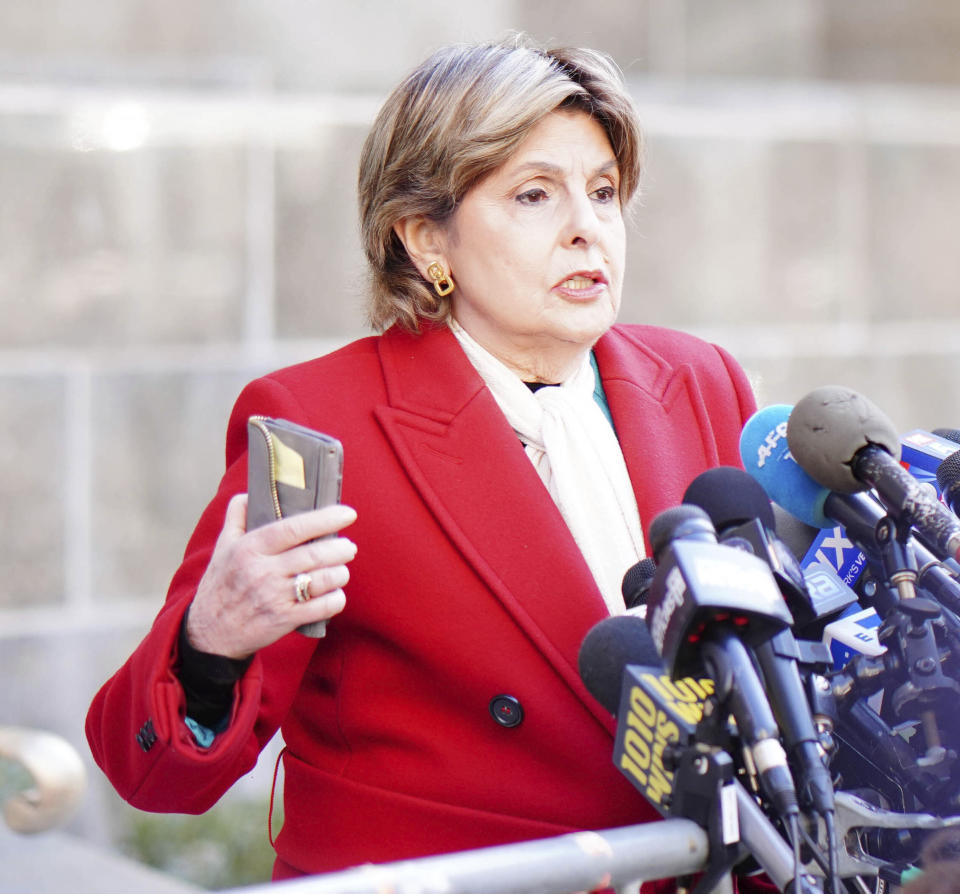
<point>578,861</point>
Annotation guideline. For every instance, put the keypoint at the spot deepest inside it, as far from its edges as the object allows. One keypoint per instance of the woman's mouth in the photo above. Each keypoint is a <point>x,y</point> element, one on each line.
<point>577,282</point>
<point>583,283</point>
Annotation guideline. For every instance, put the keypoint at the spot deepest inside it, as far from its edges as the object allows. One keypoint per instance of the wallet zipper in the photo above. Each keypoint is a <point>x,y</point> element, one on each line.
<point>272,457</point>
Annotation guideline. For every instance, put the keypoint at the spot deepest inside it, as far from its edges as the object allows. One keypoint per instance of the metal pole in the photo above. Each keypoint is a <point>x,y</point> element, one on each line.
<point>578,861</point>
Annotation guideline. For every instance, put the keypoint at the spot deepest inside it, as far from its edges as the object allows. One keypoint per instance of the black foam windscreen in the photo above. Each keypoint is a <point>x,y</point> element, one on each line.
<point>636,582</point>
<point>679,521</point>
<point>948,477</point>
<point>609,646</point>
<point>951,434</point>
<point>730,497</point>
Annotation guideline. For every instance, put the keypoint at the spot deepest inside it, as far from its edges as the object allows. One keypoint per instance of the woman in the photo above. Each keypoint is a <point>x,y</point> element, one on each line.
<point>492,519</point>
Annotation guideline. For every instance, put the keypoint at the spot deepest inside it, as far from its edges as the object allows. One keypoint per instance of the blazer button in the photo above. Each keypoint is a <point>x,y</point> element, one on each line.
<point>506,710</point>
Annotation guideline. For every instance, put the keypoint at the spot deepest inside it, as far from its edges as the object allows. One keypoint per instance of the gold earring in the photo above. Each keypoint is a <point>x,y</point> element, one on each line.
<point>443,284</point>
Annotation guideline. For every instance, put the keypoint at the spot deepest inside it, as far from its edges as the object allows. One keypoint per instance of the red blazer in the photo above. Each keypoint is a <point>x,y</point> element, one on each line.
<point>467,586</point>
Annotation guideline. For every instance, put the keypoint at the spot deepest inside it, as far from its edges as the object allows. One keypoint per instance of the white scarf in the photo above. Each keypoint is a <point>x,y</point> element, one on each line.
<point>574,449</point>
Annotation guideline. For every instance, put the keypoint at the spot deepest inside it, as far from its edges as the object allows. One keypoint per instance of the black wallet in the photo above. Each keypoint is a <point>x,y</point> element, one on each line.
<point>290,469</point>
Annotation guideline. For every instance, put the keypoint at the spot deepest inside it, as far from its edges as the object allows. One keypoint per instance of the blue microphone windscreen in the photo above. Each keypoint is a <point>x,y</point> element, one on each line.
<point>766,457</point>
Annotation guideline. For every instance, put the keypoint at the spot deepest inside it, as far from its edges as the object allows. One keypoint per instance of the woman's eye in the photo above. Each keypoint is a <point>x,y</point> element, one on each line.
<point>532,196</point>
<point>605,194</point>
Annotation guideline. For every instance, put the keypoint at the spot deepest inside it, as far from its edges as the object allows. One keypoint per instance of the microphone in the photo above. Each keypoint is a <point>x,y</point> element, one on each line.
<point>697,578</point>
<point>743,517</point>
<point>765,455</point>
<point>656,716</point>
<point>948,480</point>
<point>688,523</point>
<point>922,451</point>
<point>847,444</point>
<point>949,434</point>
<point>635,586</point>
<point>740,511</point>
<point>609,646</point>
<point>947,472</point>
<point>705,601</point>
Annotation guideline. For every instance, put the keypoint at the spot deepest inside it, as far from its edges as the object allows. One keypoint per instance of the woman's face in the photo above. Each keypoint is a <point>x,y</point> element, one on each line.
<point>536,249</point>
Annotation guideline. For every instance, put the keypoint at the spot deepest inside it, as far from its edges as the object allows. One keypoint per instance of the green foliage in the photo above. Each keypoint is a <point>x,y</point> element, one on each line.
<point>225,847</point>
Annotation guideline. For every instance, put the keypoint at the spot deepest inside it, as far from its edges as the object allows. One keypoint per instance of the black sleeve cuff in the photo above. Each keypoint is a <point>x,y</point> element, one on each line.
<point>207,681</point>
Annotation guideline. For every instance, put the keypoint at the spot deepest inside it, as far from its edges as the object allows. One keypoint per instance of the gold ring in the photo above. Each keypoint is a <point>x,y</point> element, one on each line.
<point>301,586</point>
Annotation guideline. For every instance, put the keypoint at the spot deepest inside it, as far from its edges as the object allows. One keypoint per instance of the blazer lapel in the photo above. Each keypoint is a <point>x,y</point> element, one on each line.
<point>656,407</point>
<point>471,470</point>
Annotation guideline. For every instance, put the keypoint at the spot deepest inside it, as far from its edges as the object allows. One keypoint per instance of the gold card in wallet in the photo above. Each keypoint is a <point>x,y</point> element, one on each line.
<point>290,469</point>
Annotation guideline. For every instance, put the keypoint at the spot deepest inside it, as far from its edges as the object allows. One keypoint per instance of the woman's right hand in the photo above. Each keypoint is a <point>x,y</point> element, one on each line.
<point>247,597</point>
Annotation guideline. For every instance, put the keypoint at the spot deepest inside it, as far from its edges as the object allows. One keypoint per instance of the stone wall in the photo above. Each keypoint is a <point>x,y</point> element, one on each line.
<point>177,215</point>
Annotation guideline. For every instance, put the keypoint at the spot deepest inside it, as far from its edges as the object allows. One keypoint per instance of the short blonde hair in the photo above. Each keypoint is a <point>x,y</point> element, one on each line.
<point>455,119</point>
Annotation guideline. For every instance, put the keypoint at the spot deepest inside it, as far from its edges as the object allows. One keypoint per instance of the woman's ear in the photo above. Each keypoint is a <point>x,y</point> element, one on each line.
<point>422,238</point>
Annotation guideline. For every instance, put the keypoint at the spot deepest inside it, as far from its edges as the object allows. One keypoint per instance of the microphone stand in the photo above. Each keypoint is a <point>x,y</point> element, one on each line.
<point>924,689</point>
<point>706,791</point>
<point>911,675</point>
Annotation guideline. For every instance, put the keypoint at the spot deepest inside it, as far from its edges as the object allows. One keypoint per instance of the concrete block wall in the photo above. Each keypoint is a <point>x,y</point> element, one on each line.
<point>810,232</point>
<point>177,215</point>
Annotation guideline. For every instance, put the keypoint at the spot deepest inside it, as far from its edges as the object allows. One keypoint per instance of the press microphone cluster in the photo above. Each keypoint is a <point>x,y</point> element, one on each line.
<point>793,644</point>
<point>835,462</point>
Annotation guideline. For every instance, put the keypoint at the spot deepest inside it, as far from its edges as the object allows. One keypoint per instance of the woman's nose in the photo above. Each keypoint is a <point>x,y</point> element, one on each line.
<point>582,226</point>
